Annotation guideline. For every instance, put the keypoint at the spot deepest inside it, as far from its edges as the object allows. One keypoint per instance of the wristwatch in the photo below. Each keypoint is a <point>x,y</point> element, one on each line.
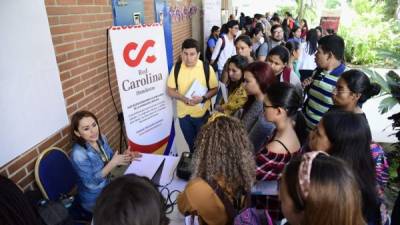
<point>204,99</point>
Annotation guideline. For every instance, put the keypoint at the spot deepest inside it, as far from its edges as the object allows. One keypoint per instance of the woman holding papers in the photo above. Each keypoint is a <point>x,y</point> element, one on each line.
<point>92,157</point>
<point>257,77</point>
<point>223,172</point>
<point>237,96</point>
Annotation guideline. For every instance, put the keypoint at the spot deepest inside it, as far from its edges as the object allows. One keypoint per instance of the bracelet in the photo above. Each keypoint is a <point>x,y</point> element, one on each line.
<point>204,99</point>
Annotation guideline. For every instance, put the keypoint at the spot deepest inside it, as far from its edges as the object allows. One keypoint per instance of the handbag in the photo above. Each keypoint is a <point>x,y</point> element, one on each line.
<point>54,213</point>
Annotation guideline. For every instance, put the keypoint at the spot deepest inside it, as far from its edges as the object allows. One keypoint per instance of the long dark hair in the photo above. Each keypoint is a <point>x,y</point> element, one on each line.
<point>130,200</point>
<point>292,46</point>
<point>287,96</point>
<point>312,41</point>
<point>264,76</point>
<point>293,30</point>
<point>290,98</point>
<point>350,138</point>
<point>76,118</point>
<point>15,208</point>
<point>358,82</point>
<point>241,63</point>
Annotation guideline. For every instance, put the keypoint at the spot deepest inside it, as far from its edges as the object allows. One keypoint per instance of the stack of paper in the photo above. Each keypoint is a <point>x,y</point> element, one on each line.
<point>196,89</point>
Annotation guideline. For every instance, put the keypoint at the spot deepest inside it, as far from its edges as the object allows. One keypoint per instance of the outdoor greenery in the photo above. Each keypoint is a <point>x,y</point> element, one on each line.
<point>390,89</point>
<point>372,39</point>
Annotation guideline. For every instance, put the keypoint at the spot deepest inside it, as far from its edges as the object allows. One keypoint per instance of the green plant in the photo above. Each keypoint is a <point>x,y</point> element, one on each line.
<point>390,88</point>
<point>370,38</point>
<point>332,4</point>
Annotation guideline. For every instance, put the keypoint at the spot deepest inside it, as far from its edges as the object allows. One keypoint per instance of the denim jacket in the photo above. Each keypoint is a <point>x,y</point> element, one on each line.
<point>88,165</point>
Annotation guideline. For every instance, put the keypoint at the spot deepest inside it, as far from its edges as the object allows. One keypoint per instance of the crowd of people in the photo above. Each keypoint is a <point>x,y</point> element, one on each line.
<point>293,114</point>
<point>290,93</point>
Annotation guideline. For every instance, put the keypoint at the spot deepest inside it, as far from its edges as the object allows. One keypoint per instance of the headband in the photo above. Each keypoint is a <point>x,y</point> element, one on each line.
<point>216,115</point>
<point>305,172</point>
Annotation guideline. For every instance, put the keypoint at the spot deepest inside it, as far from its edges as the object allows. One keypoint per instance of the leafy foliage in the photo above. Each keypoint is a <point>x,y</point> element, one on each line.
<point>371,39</point>
<point>390,87</point>
<point>332,4</point>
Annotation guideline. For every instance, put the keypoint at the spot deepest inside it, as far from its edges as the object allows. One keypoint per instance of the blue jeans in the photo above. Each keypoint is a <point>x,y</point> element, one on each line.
<point>190,126</point>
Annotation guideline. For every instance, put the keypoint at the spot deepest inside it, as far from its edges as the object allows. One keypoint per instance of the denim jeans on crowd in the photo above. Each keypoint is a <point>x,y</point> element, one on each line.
<point>190,126</point>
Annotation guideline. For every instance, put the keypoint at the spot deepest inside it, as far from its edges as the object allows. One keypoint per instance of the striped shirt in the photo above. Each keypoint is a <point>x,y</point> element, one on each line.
<point>270,165</point>
<point>319,95</point>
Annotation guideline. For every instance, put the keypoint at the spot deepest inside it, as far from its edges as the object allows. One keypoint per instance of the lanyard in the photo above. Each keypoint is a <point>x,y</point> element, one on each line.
<point>103,154</point>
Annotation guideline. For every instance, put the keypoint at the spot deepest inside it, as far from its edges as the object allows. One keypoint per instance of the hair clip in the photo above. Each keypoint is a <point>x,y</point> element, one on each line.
<point>216,115</point>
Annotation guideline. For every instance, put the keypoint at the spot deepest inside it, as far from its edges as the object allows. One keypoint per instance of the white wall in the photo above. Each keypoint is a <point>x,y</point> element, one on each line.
<point>31,100</point>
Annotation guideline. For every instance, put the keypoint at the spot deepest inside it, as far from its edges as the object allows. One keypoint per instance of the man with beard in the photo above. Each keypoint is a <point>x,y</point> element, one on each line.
<point>274,40</point>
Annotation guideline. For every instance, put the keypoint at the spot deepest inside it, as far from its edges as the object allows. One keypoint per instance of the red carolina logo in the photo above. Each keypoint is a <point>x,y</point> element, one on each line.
<point>132,46</point>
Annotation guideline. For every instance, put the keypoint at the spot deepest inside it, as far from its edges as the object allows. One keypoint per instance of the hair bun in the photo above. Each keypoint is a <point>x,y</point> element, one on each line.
<point>373,90</point>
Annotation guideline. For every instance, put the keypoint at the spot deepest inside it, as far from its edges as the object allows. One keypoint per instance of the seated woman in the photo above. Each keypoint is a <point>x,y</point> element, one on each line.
<point>346,135</point>
<point>223,172</point>
<point>352,90</point>
<point>92,157</point>
<point>319,189</point>
<point>257,77</point>
<point>130,200</point>
<point>236,94</point>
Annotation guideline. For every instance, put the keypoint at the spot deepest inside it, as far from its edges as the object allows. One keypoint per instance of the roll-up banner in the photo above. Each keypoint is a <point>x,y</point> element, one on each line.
<point>141,65</point>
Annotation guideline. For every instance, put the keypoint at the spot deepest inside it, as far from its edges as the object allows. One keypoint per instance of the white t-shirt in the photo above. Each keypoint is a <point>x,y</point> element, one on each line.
<point>228,51</point>
<point>294,79</point>
<point>306,61</point>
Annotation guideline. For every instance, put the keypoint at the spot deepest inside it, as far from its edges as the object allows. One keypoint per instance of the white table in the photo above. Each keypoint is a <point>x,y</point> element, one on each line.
<point>168,173</point>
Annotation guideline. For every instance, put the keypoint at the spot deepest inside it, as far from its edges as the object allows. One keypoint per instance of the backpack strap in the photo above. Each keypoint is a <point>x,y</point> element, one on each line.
<point>206,68</point>
<point>286,74</point>
<point>229,208</point>
<point>221,49</point>
<point>269,43</point>
<point>176,72</point>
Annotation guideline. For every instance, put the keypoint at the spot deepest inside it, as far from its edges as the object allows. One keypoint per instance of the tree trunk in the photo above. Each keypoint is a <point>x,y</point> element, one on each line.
<point>300,7</point>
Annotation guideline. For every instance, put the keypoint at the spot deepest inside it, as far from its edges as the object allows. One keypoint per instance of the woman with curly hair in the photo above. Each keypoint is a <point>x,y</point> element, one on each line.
<point>223,172</point>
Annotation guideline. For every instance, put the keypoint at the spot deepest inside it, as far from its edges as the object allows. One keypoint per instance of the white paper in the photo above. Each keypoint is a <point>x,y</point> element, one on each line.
<point>191,220</point>
<point>196,89</point>
<point>147,166</point>
<point>224,91</point>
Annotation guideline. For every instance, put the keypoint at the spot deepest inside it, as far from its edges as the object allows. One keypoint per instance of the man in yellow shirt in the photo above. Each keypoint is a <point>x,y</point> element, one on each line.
<point>190,112</point>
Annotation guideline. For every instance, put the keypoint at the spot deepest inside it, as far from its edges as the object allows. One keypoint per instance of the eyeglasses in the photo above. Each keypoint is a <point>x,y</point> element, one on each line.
<point>334,90</point>
<point>268,106</point>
